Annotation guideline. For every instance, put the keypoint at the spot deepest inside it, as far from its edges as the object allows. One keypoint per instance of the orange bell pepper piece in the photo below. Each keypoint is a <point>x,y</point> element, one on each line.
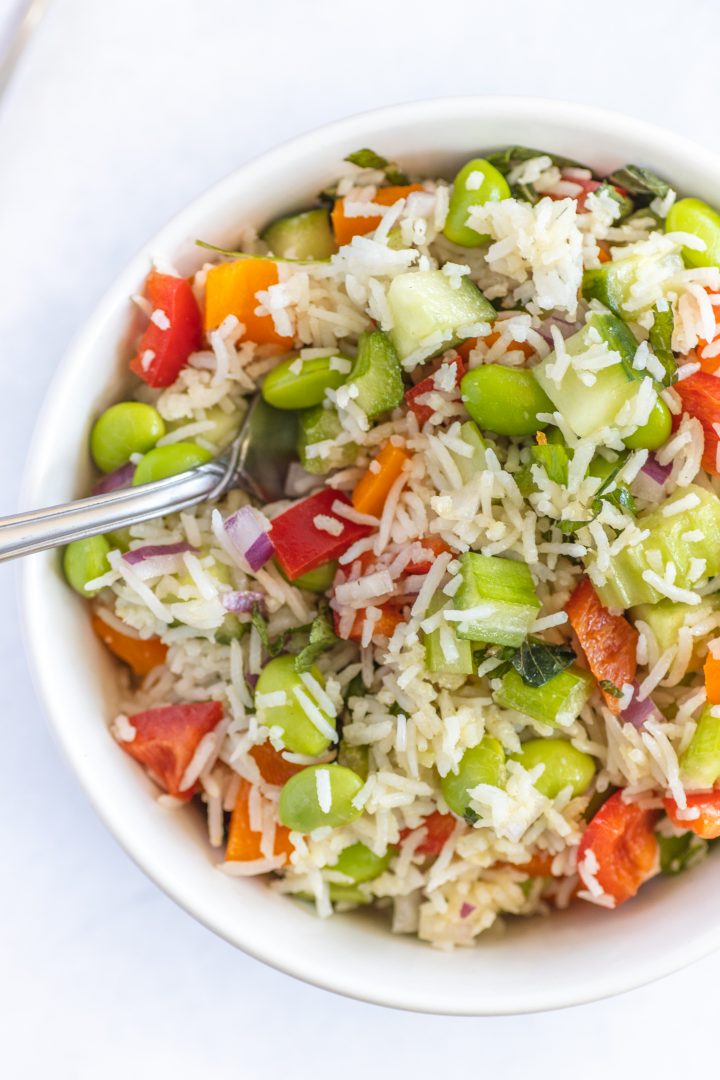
<point>243,844</point>
<point>712,679</point>
<point>391,617</point>
<point>372,489</point>
<point>347,227</point>
<point>273,767</point>
<point>231,289</point>
<point>141,654</point>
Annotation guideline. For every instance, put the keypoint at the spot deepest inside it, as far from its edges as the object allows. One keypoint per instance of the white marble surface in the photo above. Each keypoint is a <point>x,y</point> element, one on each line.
<point>120,111</point>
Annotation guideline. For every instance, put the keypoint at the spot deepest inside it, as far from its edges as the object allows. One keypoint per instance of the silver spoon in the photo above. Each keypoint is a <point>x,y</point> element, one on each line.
<point>257,461</point>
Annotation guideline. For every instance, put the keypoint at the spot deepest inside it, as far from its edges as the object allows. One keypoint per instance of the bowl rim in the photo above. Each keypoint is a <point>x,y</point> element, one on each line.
<point>604,984</point>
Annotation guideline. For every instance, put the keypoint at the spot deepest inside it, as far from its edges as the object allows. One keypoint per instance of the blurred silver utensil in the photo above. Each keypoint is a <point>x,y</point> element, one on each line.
<point>15,35</point>
<point>256,461</point>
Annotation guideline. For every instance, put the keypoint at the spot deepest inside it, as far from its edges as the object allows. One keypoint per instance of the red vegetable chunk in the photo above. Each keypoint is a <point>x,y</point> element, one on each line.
<point>164,349</point>
<point>707,824</point>
<point>621,836</point>
<point>300,545</point>
<point>608,641</point>
<point>439,828</point>
<point>421,410</point>
<point>166,739</point>
<point>701,398</point>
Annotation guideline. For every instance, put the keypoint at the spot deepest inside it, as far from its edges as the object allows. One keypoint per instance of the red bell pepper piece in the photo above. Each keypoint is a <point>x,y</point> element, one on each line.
<point>432,547</point>
<point>391,617</point>
<point>167,737</point>
<point>300,545</point>
<point>707,824</point>
<point>439,828</point>
<point>608,641</point>
<point>162,353</point>
<point>622,838</point>
<point>700,395</point>
<point>421,410</point>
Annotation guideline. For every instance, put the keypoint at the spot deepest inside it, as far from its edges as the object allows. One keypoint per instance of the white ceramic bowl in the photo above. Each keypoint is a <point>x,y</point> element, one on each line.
<point>574,957</point>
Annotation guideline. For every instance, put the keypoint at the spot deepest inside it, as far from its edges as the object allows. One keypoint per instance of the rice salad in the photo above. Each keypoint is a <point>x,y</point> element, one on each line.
<point>469,667</point>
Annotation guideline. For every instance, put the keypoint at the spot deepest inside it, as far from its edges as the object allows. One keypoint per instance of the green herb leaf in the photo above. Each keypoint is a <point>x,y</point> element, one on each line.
<point>470,816</point>
<point>678,853</point>
<point>624,201</point>
<point>661,343</point>
<point>356,687</point>
<point>610,688</point>
<point>322,637</point>
<point>505,160</point>
<point>537,662</point>
<point>272,648</point>
<point>640,181</point>
<point>553,459</point>
<point>368,159</point>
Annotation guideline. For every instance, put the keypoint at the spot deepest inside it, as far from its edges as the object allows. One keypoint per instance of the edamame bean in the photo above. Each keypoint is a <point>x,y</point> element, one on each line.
<point>300,735</point>
<point>129,427</point>
<point>481,764</point>
<point>360,864</point>
<point>505,400</point>
<point>299,808</point>
<point>696,217</point>
<point>477,182</point>
<point>318,580</point>
<point>288,388</point>
<point>564,766</point>
<point>85,560</point>
<point>356,758</point>
<point>654,432</point>
<point>170,460</point>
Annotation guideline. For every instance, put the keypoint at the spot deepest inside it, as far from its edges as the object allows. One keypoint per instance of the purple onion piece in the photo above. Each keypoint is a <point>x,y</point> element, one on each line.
<point>259,552</point>
<point>637,712</point>
<point>243,601</point>
<point>251,680</point>
<point>466,909</point>
<point>657,472</point>
<point>151,551</point>
<point>120,478</point>
<point>246,529</point>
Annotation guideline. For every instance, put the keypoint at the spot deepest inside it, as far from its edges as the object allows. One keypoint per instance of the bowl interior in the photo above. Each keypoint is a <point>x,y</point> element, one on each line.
<point>577,956</point>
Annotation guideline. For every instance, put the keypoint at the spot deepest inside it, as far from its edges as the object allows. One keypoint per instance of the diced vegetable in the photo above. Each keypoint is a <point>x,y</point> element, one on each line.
<point>429,313</point>
<point>557,703</point>
<point>537,661</point>
<point>354,757</point>
<point>85,560</point>
<point>712,679</point>
<point>318,580</point>
<point>376,378</point>
<point>361,864</point>
<point>140,654</point>
<point>660,341</point>
<point>706,806</point>
<point>564,766</point>
<point>130,427</point>
<point>666,618</point>
<point>700,395</point>
<point>243,843</point>
<point>166,739</point>
<point>612,283</point>
<point>678,853</point>
<point>488,391</point>
<point>164,461</point>
<point>166,345</point>
<point>301,236</point>
<point>390,617</point>
<point>696,217</point>
<point>608,641</point>
<point>231,289</point>
<point>300,545</point>
<point>622,840</point>
<point>438,828</point>
<point>322,426</point>
<point>481,764</point>
<point>287,388</point>
<point>630,576</point>
<point>346,227</point>
<point>274,768</point>
<point>321,638</point>
<point>458,660</point>
<point>307,728</point>
<point>499,597</point>
<point>470,466</point>
<point>641,182</point>
<point>374,486</point>
<point>432,546</point>
<point>319,795</point>
<point>477,182</point>
<point>427,386</point>
<point>700,761</point>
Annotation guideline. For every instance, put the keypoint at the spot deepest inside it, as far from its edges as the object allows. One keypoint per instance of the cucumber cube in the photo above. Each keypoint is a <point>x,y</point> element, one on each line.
<point>500,598</point>
<point>321,425</point>
<point>429,312</point>
<point>437,661</point>
<point>557,703</point>
<point>700,762</point>
<point>376,375</point>
<point>301,236</point>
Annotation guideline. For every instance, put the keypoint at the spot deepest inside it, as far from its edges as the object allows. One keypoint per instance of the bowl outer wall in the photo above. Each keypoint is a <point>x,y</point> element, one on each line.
<point>579,956</point>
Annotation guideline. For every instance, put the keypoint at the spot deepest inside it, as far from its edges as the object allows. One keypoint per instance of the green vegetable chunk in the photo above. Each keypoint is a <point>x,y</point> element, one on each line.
<point>300,735</point>
<point>481,764</point>
<point>429,314</point>
<point>301,236</point>
<point>318,580</point>
<point>321,425</point>
<point>299,808</point>
<point>505,400</point>
<point>477,182</point>
<point>654,432</point>
<point>666,618</point>
<point>696,217</point>
<point>321,638</point>
<point>170,460</point>
<point>536,661</point>
<point>700,762</point>
<point>286,388</point>
<point>124,429</point>
<point>458,659</point>
<point>564,766</point>
<point>361,864</point>
<point>500,598</point>
<point>356,758</point>
<point>678,853</point>
<point>557,703</point>
<point>470,466</point>
<point>85,560</point>
<point>376,375</point>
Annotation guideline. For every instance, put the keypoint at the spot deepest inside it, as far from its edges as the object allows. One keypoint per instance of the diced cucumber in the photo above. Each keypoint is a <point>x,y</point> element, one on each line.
<point>588,409</point>
<point>625,586</point>
<point>700,762</point>
<point>301,236</point>
<point>612,283</point>
<point>470,466</point>
<point>436,660</point>
<point>321,425</point>
<point>500,598</point>
<point>668,617</point>
<point>377,375</point>
<point>429,312</point>
<point>557,703</point>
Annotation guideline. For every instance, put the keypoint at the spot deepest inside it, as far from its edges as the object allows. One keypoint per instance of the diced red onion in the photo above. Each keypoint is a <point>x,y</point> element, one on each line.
<point>466,909</point>
<point>151,551</point>
<point>247,529</point>
<point>120,478</point>
<point>657,472</point>
<point>251,680</point>
<point>637,712</point>
<point>243,601</point>
<point>567,329</point>
<point>649,482</point>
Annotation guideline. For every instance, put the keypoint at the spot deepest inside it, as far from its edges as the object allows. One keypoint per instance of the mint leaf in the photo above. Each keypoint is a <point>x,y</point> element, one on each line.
<point>537,662</point>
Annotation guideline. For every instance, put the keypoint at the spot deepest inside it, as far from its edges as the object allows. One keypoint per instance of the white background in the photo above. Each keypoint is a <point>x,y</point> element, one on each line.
<point>119,113</point>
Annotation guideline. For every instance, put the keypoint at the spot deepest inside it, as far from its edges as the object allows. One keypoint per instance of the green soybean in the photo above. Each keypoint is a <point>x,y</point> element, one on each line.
<point>696,217</point>
<point>300,735</point>
<point>505,400</point>
<point>318,580</point>
<point>356,758</point>
<point>129,427</point>
<point>360,864</point>
<point>299,808</point>
<point>564,766</point>
<point>85,560</point>
<point>477,182</point>
<point>287,388</point>
<point>481,764</point>
<point>170,460</point>
<point>655,432</point>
